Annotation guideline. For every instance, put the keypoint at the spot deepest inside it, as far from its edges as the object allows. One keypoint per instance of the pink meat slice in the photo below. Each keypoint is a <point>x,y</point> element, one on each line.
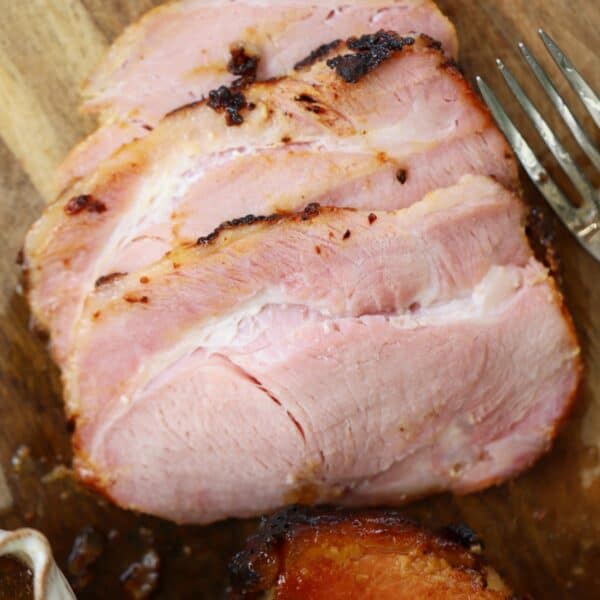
<point>334,351</point>
<point>409,127</point>
<point>178,52</point>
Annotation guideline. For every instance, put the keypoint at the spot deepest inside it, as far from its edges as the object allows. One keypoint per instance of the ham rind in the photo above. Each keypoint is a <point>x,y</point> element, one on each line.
<point>333,351</point>
<point>409,127</point>
<point>177,53</point>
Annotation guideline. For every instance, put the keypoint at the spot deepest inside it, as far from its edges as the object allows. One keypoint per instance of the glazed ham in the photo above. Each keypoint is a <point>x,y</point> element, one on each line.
<point>410,126</point>
<point>385,333</point>
<point>361,356</point>
<point>342,133</point>
<point>311,554</point>
<point>179,52</point>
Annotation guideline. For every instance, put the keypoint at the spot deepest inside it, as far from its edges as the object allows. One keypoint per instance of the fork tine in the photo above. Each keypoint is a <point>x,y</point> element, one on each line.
<point>584,91</point>
<point>569,215</point>
<point>569,118</point>
<point>584,224</point>
<point>580,181</point>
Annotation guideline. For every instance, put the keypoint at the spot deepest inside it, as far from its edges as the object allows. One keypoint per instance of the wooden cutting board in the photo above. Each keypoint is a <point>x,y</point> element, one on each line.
<point>541,530</point>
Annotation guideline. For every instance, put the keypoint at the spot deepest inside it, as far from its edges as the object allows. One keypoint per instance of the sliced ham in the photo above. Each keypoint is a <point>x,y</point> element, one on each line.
<point>348,355</point>
<point>311,554</point>
<point>408,127</point>
<point>178,52</point>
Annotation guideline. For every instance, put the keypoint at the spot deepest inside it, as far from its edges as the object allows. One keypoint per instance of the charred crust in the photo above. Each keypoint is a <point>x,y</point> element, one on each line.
<point>105,279</point>
<point>286,139</point>
<point>241,63</point>
<point>132,299</point>
<point>315,108</point>
<point>305,98</point>
<point>371,50</point>
<point>347,234</point>
<point>541,234</point>
<point>382,41</point>
<point>372,218</point>
<point>257,568</point>
<point>463,535</point>
<point>229,101</point>
<point>312,210</point>
<point>84,202</point>
<point>316,55</point>
<point>234,224</point>
<point>451,65</point>
<point>144,279</point>
<point>430,42</point>
<point>311,104</point>
<point>318,249</point>
<point>401,175</point>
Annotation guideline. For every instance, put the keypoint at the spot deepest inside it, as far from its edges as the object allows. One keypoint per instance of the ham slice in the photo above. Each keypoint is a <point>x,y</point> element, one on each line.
<point>310,554</point>
<point>178,52</point>
<point>348,355</point>
<point>407,127</point>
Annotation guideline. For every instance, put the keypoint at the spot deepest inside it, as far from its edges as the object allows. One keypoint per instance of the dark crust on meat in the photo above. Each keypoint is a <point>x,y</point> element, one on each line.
<point>541,235</point>
<point>105,279</point>
<point>312,210</point>
<point>231,100</point>
<point>84,202</point>
<point>370,51</point>
<point>424,42</point>
<point>317,55</point>
<point>255,570</point>
<point>430,42</point>
<point>462,534</point>
<point>235,224</point>
<point>241,63</point>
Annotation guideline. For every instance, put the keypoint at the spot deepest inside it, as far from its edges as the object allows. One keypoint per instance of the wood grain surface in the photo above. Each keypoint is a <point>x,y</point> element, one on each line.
<point>542,530</point>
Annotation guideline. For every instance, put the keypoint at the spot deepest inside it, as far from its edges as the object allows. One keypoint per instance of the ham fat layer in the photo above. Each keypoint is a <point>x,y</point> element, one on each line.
<point>411,126</point>
<point>178,52</point>
<point>351,355</point>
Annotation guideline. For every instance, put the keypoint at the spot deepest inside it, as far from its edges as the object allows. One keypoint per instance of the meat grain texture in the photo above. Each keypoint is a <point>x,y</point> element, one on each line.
<point>380,331</point>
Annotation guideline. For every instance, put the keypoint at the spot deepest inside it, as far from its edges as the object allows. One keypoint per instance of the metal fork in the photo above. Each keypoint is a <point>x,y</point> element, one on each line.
<point>582,221</point>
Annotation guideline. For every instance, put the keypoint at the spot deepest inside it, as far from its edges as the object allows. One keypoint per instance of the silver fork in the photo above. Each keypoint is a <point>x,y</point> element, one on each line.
<point>582,221</point>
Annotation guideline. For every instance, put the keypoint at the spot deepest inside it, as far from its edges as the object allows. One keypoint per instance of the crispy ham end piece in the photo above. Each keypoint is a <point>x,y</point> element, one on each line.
<point>310,554</point>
